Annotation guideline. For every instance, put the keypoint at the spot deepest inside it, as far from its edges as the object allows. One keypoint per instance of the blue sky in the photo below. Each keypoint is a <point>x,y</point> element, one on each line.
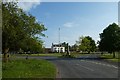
<point>74,19</point>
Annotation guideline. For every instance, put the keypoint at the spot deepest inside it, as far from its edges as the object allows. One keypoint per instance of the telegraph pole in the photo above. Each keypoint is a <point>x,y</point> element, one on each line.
<point>59,40</point>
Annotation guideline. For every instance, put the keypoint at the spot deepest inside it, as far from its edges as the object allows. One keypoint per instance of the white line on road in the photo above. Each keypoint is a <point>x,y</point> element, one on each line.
<point>103,64</point>
<point>85,67</point>
<point>114,66</point>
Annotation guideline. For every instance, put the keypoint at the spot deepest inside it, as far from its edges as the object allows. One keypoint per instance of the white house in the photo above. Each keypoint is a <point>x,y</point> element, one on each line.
<point>57,48</point>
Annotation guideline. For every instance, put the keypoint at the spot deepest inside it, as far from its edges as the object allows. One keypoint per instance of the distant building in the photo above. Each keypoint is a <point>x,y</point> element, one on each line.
<point>57,48</point>
<point>48,50</point>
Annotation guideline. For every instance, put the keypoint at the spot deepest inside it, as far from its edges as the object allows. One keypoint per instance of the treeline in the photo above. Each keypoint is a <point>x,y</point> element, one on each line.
<point>109,41</point>
<point>20,30</point>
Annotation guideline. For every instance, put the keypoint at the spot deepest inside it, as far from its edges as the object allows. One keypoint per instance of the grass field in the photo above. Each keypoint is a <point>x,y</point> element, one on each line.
<point>30,68</point>
<point>110,57</point>
<point>49,54</point>
<point>40,54</point>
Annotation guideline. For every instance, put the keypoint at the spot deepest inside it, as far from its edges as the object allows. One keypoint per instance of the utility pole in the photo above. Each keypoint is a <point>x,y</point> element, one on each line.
<point>68,51</point>
<point>59,40</point>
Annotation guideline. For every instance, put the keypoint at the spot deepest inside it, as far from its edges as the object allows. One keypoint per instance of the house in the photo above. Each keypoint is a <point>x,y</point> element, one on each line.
<point>48,50</point>
<point>57,48</point>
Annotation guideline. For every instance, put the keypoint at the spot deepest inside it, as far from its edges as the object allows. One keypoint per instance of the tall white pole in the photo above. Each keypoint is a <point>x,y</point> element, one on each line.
<point>59,40</point>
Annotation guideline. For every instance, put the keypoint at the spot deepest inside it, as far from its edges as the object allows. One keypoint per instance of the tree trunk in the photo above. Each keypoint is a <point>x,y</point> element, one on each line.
<point>101,53</point>
<point>6,56</point>
<point>88,52</point>
<point>113,54</point>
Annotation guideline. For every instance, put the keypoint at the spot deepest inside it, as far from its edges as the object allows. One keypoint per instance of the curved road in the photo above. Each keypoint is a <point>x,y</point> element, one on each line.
<point>83,67</point>
<point>73,68</point>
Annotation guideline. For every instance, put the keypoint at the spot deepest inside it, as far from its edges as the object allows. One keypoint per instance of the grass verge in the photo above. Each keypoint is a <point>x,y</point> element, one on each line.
<point>41,54</point>
<point>30,68</point>
<point>109,57</point>
<point>48,54</point>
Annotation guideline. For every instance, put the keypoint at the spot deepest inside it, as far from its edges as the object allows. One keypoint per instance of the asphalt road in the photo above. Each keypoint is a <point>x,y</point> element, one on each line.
<point>83,67</point>
<point>89,66</point>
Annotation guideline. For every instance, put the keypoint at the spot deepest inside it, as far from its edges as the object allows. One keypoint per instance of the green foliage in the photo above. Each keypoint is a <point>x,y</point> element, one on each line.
<point>86,44</point>
<point>110,38</point>
<point>20,30</point>
<point>74,47</point>
<point>108,56</point>
<point>65,45</point>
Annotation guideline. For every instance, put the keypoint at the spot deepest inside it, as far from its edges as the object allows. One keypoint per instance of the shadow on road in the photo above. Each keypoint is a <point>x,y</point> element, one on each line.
<point>74,59</point>
<point>83,58</point>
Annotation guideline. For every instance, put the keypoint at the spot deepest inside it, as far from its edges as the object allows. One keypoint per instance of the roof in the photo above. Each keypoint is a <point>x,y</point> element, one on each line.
<point>57,45</point>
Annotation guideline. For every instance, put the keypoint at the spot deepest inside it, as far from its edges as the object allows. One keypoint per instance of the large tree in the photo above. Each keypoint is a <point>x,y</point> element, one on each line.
<point>110,39</point>
<point>20,30</point>
<point>86,44</point>
<point>0,27</point>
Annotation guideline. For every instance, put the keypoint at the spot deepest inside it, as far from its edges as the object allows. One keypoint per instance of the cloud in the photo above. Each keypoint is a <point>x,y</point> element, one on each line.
<point>68,24</point>
<point>21,0</point>
<point>28,4</point>
<point>71,24</point>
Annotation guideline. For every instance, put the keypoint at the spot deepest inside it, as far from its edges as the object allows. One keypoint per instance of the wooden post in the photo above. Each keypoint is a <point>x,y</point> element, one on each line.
<point>6,56</point>
<point>68,52</point>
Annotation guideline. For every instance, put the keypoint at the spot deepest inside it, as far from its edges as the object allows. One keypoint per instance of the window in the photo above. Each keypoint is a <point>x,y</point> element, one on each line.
<point>61,49</point>
<point>55,49</point>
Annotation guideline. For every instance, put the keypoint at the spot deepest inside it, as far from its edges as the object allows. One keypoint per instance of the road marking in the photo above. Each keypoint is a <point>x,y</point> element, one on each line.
<point>85,67</point>
<point>103,64</point>
<point>114,66</point>
<point>82,60</point>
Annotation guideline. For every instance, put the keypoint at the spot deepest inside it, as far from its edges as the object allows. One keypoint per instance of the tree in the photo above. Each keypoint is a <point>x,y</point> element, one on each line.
<point>65,45</point>
<point>0,27</point>
<point>20,30</point>
<point>86,44</point>
<point>74,47</point>
<point>110,39</point>
<point>92,44</point>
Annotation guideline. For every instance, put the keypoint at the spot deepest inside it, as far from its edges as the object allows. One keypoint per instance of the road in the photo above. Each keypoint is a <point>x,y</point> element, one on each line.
<point>83,67</point>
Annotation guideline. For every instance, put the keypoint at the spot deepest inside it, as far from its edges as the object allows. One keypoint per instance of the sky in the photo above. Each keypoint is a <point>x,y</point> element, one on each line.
<point>74,19</point>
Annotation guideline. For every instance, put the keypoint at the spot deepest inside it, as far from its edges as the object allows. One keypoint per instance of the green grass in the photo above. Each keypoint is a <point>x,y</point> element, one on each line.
<point>1,69</point>
<point>114,60</point>
<point>110,57</point>
<point>30,68</point>
<point>80,54</point>
<point>41,54</point>
<point>49,54</point>
<point>67,56</point>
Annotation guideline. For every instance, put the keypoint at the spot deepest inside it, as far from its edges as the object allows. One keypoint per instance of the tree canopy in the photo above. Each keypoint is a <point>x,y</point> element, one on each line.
<point>110,38</point>
<point>86,44</point>
<point>20,29</point>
